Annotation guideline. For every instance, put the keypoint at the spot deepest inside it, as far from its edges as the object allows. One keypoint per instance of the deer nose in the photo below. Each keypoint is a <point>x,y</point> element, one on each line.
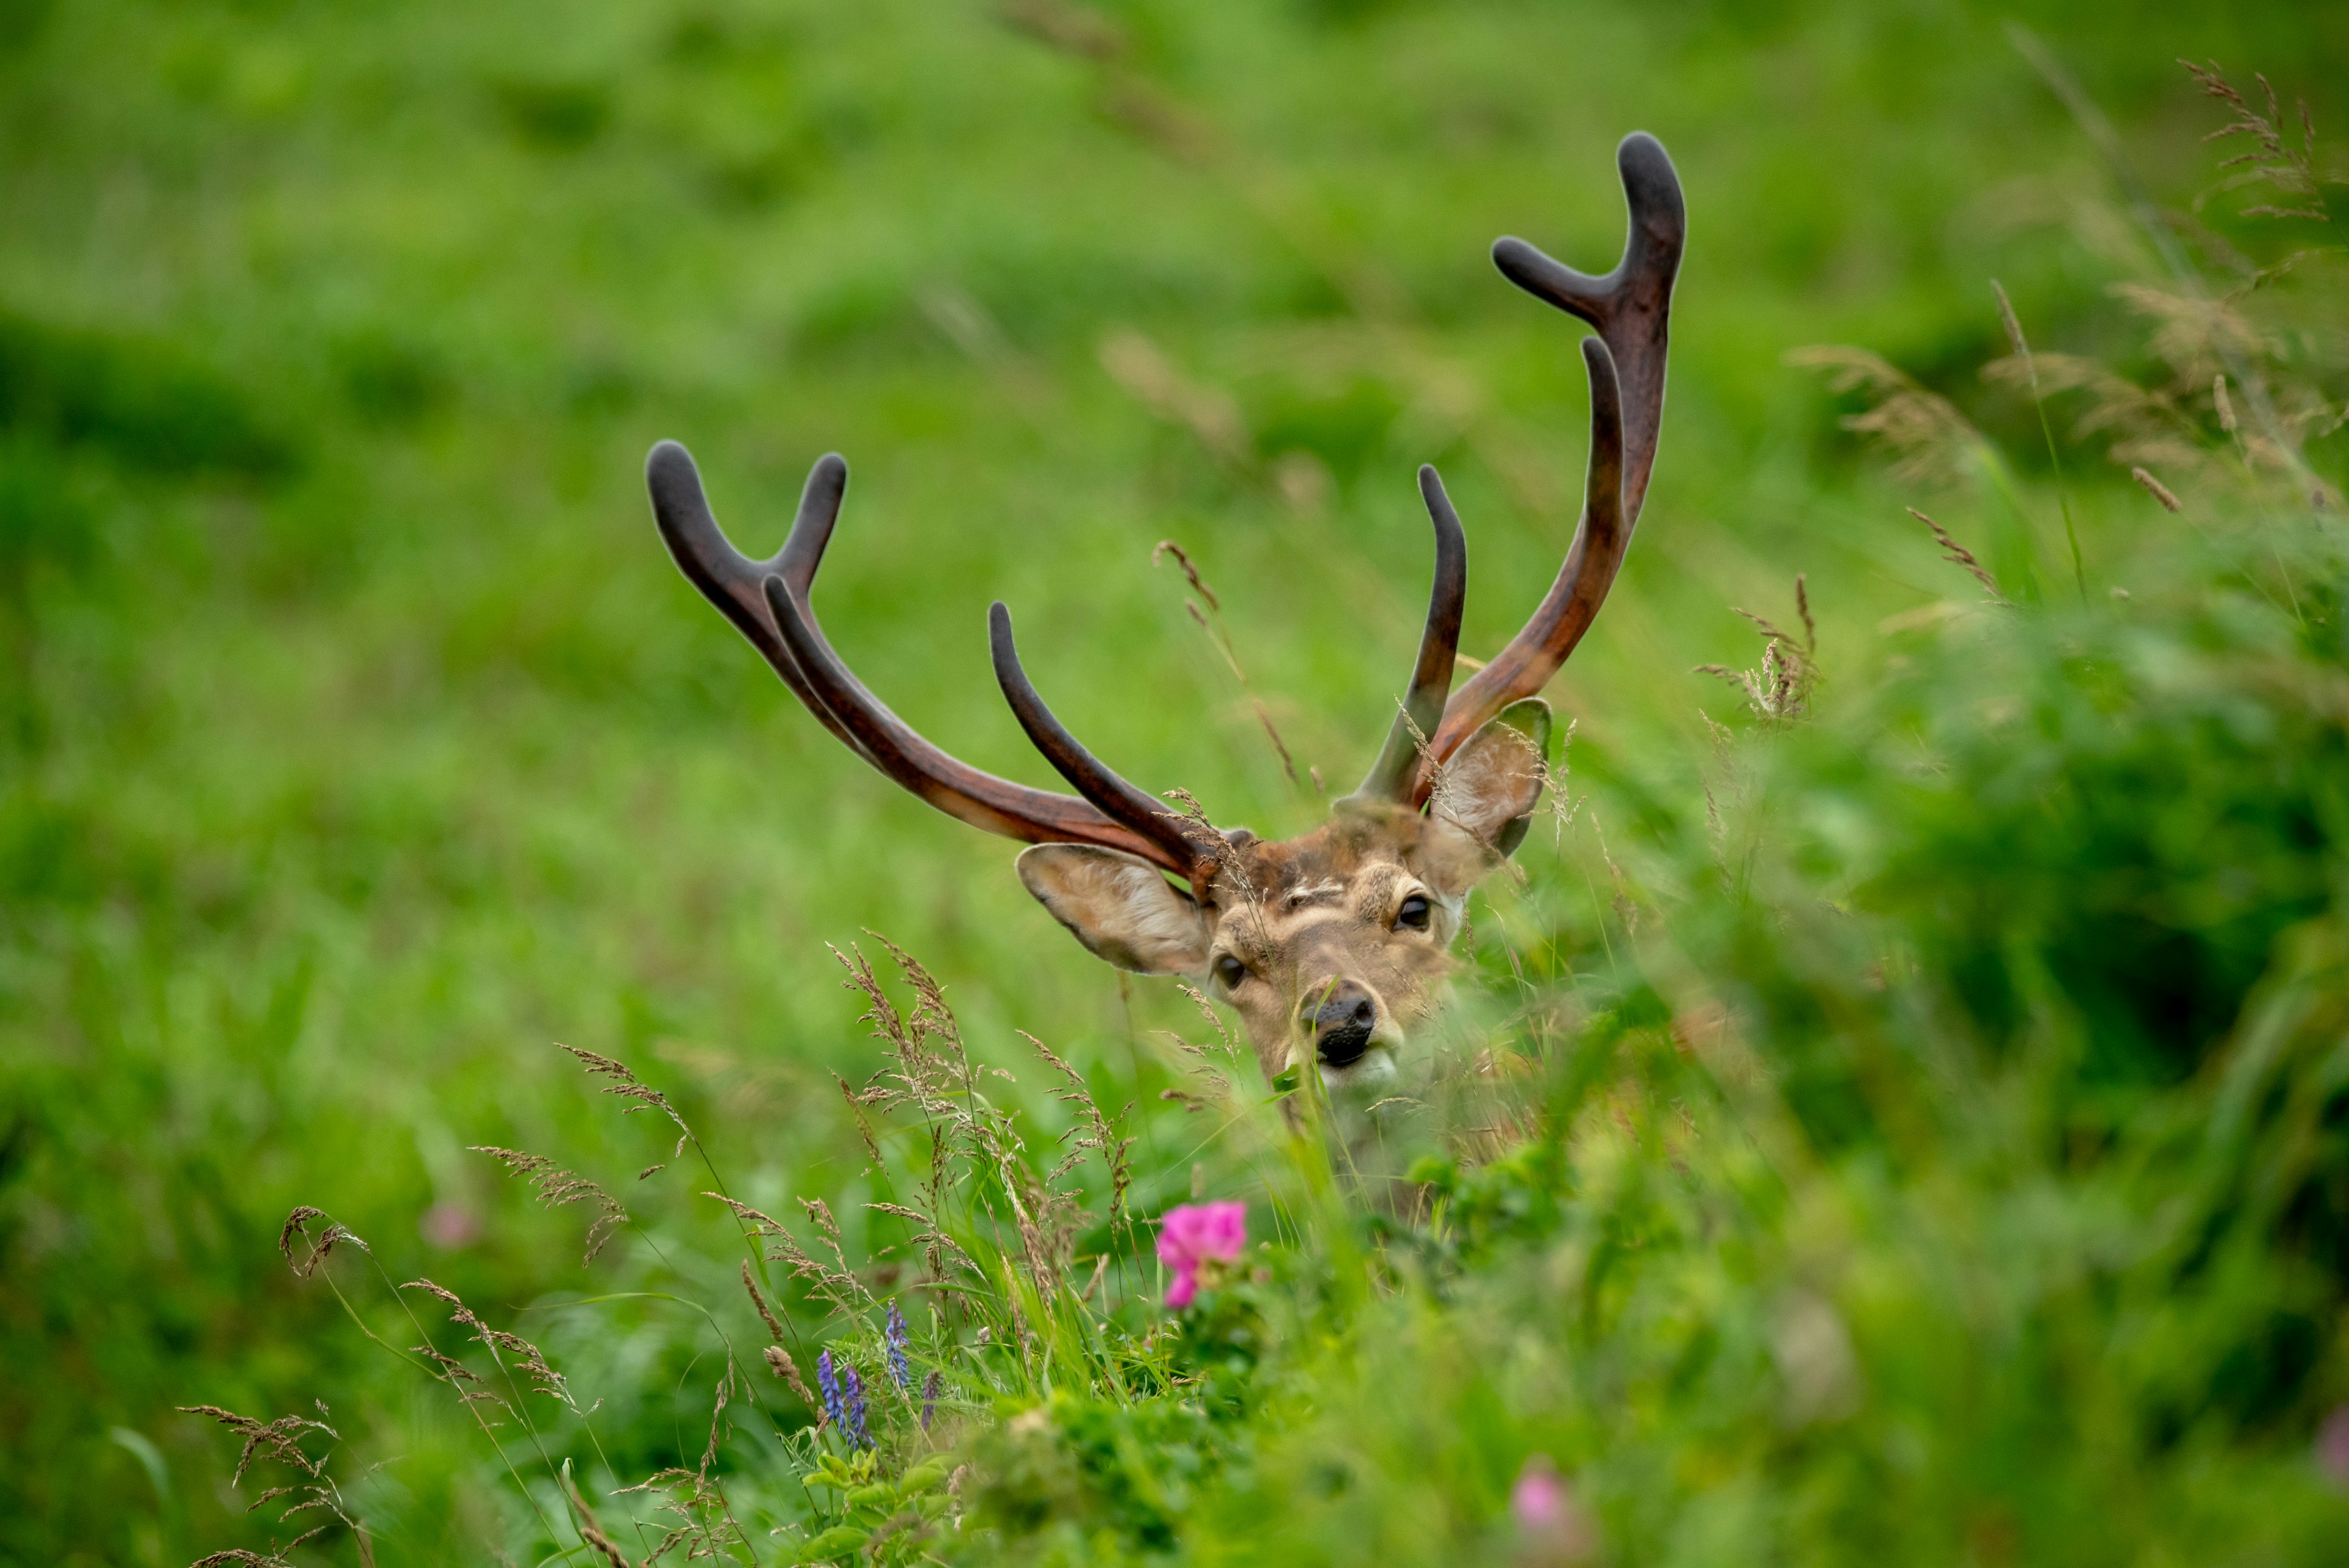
<point>1340,1017</point>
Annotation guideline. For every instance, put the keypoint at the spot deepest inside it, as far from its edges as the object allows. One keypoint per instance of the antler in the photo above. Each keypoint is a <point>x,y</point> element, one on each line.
<point>768,603</point>
<point>1115,797</point>
<point>1390,776</point>
<point>1630,306</point>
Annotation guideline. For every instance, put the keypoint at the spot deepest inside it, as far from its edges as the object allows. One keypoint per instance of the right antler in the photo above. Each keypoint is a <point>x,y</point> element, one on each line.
<point>768,603</point>
<point>1630,306</point>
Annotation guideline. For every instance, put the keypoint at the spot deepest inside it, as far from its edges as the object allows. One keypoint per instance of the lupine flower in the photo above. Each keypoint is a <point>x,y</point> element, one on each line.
<point>1192,1234</point>
<point>852,1400</point>
<point>829,1381</point>
<point>930,1387</point>
<point>896,1334</point>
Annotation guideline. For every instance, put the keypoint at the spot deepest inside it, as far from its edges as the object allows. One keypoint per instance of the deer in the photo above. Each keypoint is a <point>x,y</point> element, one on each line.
<point>1335,947</point>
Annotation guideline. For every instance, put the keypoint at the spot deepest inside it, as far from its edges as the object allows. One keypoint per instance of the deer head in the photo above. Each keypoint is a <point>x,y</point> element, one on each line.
<point>1335,943</point>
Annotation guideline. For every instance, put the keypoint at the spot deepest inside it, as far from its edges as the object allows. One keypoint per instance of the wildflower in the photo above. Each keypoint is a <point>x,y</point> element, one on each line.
<point>1538,1502</point>
<point>852,1406</point>
<point>2332,1447</point>
<point>829,1381</point>
<point>1192,1234</point>
<point>895,1332</point>
<point>930,1387</point>
<point>1551,1528</point>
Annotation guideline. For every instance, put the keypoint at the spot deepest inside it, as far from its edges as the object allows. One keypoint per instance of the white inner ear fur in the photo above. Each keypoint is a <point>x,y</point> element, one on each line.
<point>1492,783</point>
<point>1120,906</point>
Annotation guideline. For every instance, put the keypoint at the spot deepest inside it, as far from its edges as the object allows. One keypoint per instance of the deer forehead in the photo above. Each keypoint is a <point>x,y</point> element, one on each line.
<point>1332,888</point>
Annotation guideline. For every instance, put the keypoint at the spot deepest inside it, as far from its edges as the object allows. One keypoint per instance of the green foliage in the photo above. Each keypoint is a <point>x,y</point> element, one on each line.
<point>1902,1115</point>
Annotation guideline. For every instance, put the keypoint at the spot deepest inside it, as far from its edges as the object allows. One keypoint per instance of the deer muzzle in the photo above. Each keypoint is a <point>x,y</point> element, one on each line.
<point>1340,1019</point>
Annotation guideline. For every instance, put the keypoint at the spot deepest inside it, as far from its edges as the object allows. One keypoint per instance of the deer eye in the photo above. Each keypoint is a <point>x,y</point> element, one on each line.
<point>1413,913</point>
<point>1230,972</point>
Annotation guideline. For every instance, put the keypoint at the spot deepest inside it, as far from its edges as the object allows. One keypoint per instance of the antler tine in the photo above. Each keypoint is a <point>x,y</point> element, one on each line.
<point>1090,777</point>
<point>962,791</point>
<point>1631,308</point>
<point>1391,777</point>
<point>730,579</point>
<point>768,603</point>
<point>1533,655</point>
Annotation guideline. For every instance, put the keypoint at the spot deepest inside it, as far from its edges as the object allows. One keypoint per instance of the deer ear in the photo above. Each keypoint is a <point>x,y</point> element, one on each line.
<point>1484,797</point>
<point>1120,906</point>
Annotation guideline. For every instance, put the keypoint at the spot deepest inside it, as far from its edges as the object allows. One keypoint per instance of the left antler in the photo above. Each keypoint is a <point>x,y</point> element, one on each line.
<point>768,602</point>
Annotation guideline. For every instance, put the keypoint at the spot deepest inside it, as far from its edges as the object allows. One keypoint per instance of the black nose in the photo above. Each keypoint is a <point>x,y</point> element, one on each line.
<point>1340,1017</point>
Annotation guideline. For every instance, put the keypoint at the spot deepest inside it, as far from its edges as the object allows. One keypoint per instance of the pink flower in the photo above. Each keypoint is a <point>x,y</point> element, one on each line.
<point>1552,1530</point>
<point>2333,1445</point>
<point>1195,1233</point>
<point>449,1226</point>
<point>1538,1502</point>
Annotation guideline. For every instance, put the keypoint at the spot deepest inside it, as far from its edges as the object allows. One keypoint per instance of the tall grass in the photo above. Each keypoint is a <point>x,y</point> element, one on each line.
<point>359,741</point>
<point>1932,1145</point>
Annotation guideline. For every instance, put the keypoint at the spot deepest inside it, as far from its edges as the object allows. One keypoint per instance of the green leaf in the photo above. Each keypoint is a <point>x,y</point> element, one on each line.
<point>833,1543</point>
<point>1434,1171</point>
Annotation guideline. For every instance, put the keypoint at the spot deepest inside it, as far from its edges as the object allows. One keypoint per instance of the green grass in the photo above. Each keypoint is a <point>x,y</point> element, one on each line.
<point>359,741</point>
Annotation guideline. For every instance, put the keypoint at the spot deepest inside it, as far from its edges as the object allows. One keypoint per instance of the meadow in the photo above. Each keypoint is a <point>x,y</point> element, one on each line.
<point>1900,1111</point>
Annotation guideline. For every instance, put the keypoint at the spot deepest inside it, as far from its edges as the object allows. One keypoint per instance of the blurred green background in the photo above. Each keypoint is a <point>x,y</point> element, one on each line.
<point>357,739</point>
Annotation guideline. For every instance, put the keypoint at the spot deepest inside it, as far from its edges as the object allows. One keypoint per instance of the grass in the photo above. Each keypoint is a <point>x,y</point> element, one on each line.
<point>1936,1096</point>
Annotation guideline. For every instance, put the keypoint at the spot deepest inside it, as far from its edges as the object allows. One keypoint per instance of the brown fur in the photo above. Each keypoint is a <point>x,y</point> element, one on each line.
<point>1305,915</point>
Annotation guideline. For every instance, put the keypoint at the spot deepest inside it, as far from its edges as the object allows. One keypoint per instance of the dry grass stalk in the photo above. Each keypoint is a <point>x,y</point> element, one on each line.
<point>514,1355</point>
<point>627,1086</point>
<point>1190,569</point>
<point>1928,437</point>
<point>602,1545</point>
<point>1779,691</point>
<point>1959,555</point>
<point>591,1529</point>
<point>556,1188</point>
<point>1206,1010</point>
<point>838,1286</point>
<point>780,1362</point>
<point>774,1329</point>
<point>2154,488</point>
<point>1094,1132</point>
<point>1211,621</point>
<point>2141,425</point>
<point>1208,839</point>
<point>297,1223</point>
<point>2271,158</point>
<point>316,1493</point>
<point>706,1524</point>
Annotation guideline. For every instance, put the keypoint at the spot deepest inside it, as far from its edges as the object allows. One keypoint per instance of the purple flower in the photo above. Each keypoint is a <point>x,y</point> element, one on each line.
<point>896,1334</point>
<point>852,1417</point>
<point>930,1387</point>
<point>1192,1234</point>
<point>829,1381</point>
